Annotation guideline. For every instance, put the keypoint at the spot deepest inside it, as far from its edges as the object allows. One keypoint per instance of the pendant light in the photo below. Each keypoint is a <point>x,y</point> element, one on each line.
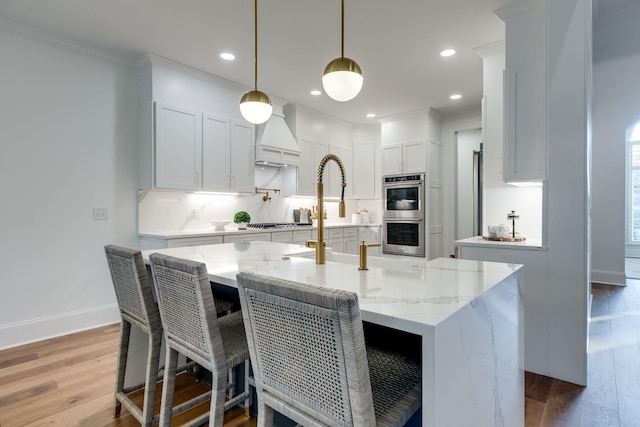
<point>342,79</point>
<point>255,106</point>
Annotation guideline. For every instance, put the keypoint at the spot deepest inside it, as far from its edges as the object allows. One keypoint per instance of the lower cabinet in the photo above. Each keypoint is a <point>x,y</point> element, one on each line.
<point>150,243</point>
<point>245,238</point>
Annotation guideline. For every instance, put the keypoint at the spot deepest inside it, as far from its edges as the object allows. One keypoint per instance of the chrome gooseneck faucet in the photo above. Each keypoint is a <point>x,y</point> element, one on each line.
<point>320,244</point>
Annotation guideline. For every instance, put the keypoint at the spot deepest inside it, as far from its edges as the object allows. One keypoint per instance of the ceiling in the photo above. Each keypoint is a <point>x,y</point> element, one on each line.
<point>396,43</point>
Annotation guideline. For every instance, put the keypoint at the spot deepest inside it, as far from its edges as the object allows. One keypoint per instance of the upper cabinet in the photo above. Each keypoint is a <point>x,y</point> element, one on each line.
<point>364,172</point>
<point>200,151</point>
<point>525,141</point>
<point>227,155</point>
<point>312,153</point>
<point>178,147</point>
<point>406,157</point>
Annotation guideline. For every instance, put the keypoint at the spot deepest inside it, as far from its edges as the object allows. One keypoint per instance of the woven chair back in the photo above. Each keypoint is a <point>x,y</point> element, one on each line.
<point>187,308</point>
<point>307,348</point>
<point>132,286</point>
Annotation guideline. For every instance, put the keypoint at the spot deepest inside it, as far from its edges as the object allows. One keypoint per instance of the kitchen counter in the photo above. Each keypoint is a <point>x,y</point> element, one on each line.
<point>232,230</point>
<point>466,313</point>
<point>529,244</point>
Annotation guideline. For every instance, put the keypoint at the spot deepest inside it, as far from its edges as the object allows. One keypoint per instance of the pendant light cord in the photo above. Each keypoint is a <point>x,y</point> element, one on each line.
<point>342,42</point>
<point>255,35</point>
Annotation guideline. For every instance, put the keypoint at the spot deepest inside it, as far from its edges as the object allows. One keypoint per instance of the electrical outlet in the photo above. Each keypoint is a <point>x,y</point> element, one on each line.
<point>100,214</point>
<point>196,213</point>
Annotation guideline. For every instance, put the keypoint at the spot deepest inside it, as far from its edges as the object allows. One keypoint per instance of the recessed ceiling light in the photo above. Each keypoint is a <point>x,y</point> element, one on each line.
<point>315,92</point>
<point>455,96</point>
<point>227,56</point>
<point>371,115</point>
<point>447,52</point>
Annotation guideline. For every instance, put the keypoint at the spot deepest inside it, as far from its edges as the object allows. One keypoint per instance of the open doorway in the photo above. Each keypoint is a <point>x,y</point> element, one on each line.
<point>632,202</point>
<point>468,184</point>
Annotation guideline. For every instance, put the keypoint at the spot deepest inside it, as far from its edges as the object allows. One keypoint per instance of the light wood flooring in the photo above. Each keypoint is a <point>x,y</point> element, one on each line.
<point>68,381</point>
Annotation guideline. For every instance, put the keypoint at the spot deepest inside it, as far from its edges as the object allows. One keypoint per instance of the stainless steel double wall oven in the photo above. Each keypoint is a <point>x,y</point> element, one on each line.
<point>403,220</point>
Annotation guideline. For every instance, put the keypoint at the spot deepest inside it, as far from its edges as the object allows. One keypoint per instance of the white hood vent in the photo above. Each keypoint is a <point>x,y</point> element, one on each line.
<point>275,143</point>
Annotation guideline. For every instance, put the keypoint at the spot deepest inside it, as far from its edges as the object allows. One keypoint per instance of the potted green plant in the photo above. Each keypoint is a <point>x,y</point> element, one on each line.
<point>242,218</point>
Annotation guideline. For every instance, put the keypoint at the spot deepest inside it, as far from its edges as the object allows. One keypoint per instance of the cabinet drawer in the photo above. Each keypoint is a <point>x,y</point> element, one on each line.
<point>195,241</point>
<point>350,232</point>
<point>282,237</point>
<point>301,236</point>
<point>334,233</point>
<point>264,237</point>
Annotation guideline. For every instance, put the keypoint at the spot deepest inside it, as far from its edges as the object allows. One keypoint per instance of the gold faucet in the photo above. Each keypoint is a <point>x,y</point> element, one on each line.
<point>320,245</point>
<point>265,191</point>
<point>363,254</point>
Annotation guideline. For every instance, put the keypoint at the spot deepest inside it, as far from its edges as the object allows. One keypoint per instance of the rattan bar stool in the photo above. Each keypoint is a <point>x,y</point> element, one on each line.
<point>310,361</point>
<point>191,327</point>
<point>137,307</point>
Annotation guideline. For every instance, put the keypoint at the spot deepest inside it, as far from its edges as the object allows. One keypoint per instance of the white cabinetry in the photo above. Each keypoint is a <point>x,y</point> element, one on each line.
<point>282,236</point>
<point>149,243</point>
<point>245,238</point>
<point>178,147</point>
<point>364,177</point>
<point>345,154</point>
<point>406,157</point>
<point>525,92</point>
<point>344,240</point>
<point>370,235</point>
<point>196,151</point>
<point>313,152</point>
<point>227,155</point>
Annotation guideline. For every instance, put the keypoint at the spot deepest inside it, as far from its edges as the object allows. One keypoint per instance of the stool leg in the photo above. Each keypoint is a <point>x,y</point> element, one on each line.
<point>170,368</point>
<point>218,389</point>
<point>151,382</point>
<point>125,333</point>
<point>247,401</point>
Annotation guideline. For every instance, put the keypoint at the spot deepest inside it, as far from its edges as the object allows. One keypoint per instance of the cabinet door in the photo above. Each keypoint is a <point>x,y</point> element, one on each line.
<point>350,246</point>
<point>334,177</point>
<point>306,170</point>
<point>392,159</point>
<point>414,156</point>
<point>282,236</point>
<point>525,125</point>
<point>320,149</point>
<point>216,174</point>
<point>242,157</point>
<point>363,177</point>
<point>178,147</point>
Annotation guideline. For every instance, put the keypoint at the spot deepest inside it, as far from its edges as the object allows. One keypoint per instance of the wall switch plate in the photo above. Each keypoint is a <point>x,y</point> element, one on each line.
<point>100,214</point>
<point>196,213</point>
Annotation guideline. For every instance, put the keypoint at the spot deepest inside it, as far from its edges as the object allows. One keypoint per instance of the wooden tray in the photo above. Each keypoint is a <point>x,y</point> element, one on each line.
<point>505,239</point>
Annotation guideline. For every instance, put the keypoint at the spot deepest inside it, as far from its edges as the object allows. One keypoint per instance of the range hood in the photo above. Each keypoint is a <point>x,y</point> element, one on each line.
<point>275,143</point>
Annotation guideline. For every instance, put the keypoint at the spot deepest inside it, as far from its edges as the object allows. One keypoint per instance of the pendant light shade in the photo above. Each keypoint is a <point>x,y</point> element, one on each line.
<point>255,106</point>
<point>342,79</point>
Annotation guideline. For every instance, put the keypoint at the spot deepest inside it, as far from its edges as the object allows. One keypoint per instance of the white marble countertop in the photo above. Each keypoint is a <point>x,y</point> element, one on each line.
<point>175,234</point>
<point>530,243</point>
<point>407,295</point>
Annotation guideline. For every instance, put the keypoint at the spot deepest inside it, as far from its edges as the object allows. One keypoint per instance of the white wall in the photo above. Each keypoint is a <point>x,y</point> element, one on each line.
<point>69,144</point>
<point>616,105</point>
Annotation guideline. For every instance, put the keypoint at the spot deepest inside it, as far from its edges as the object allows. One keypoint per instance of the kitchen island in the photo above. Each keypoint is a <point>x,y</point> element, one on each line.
<point>467,315</point>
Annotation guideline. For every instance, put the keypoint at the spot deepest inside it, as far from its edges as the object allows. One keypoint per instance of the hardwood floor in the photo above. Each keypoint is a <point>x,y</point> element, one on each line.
<point>69,381</point>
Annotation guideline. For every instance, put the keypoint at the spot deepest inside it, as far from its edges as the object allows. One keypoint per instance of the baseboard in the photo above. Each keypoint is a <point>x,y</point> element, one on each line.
<point>20,333</point>
<point>609,277</point>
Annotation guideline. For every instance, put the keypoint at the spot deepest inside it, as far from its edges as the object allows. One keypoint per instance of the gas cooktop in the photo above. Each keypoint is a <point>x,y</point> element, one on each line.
<point>277,225</point>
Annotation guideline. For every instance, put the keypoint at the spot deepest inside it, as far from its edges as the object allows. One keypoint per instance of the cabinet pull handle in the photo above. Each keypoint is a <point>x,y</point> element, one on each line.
<point>233,180</point>
<point>197,177</point>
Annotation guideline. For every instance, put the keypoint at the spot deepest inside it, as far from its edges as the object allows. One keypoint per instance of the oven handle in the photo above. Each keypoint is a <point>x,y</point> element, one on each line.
<point>402,219</point>
<point>403,184</point>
